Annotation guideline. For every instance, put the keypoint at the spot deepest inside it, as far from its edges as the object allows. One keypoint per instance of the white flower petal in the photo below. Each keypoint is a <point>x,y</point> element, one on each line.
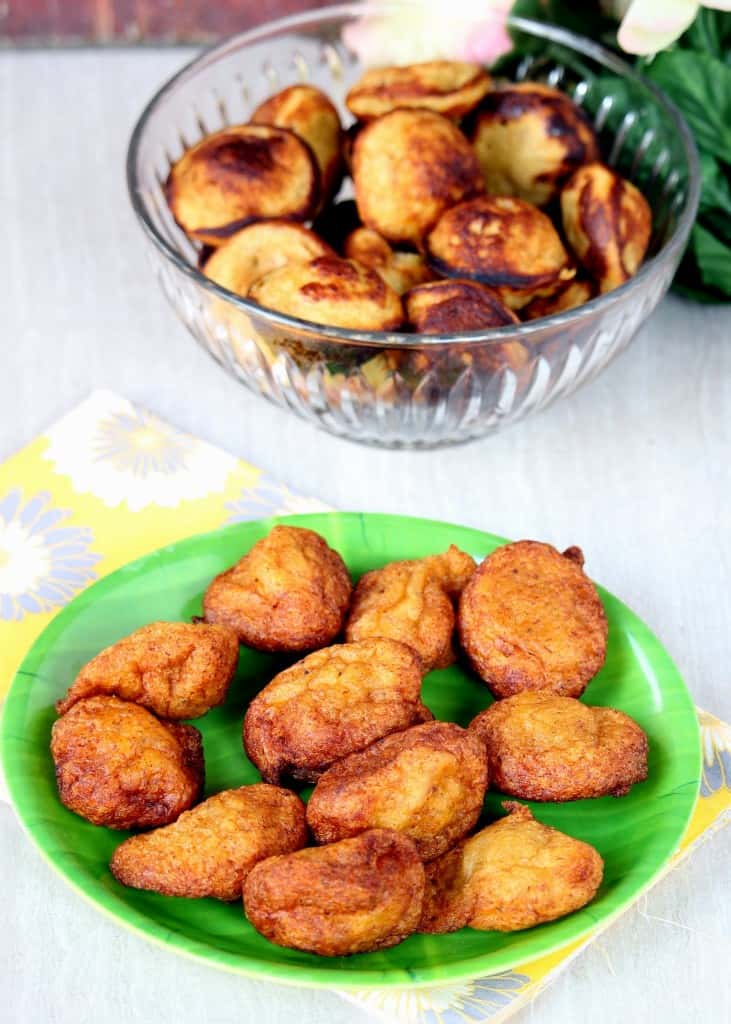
<point>652,25</point>
<point>415,31</point>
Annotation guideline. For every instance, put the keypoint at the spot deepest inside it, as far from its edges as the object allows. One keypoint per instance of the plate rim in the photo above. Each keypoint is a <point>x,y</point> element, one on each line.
<point>329,976</point>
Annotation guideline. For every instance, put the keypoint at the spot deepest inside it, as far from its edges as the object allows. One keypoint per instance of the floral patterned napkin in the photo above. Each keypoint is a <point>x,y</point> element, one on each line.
<point>110,482</point>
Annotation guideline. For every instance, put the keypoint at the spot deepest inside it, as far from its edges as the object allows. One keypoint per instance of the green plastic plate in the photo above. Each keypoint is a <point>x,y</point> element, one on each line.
<point>635,835</point>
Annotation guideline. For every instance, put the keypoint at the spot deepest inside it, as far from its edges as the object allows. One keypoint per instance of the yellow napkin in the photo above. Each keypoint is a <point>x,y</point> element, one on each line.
<point>110,482</point>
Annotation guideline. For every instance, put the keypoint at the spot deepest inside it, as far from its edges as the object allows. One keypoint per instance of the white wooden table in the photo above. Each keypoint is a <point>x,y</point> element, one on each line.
<point>636,468</point>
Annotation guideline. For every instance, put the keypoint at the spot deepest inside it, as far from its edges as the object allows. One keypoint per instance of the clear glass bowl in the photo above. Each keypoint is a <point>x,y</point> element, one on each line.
<point>397,389</point>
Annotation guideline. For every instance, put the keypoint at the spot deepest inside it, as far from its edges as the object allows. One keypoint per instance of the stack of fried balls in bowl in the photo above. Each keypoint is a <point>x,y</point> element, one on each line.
<point>476,204</point>
<point>390,841</point>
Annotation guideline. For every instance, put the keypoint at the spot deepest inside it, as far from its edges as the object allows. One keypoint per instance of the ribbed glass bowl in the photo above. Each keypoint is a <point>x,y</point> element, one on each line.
<point>398,389</point>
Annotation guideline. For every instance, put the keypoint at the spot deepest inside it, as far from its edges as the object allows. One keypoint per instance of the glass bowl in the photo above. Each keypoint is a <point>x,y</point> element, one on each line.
<point>398,389</point>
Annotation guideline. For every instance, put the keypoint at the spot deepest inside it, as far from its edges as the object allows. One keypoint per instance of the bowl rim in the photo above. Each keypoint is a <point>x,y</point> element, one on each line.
<point>324,333</point>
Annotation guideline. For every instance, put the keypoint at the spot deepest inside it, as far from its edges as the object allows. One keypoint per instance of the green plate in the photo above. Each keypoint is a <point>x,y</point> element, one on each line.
<point>635,834</point>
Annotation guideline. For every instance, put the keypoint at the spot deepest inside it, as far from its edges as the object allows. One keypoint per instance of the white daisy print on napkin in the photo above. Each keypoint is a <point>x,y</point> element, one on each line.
<point>269,498</point>
<point>119,453</point>
<point>43,562</point>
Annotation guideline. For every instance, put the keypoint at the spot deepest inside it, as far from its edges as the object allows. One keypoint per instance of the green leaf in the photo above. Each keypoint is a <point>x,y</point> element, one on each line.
<point>713,258</point>
<point>700,85</point>
<point>715,204</point>
<point>710,33</point>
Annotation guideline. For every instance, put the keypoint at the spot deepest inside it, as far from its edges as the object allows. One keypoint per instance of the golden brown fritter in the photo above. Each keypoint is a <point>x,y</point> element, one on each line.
<point>572,294</point>
<point>241,174</point>
<point>117,765</point>
<point>504,242</point>
<point>260,248</point>
<point>514,874</point>
<point>608,223</point>
<point>544,747</point>
<point>454,306</point>
<point>351,897</point>
<point>289,593</point>
<point>428,782</point>
<point>529,138</point>
<point>308,113</point>
<point>400,270</point>
<point>410,166</point>
<point>333,291</point>
<point>210,850</point>
<point>176,669</point>
<point>412,602</point>
<point>531,619</point>
<point>449,87</point>
<point>331,704</point>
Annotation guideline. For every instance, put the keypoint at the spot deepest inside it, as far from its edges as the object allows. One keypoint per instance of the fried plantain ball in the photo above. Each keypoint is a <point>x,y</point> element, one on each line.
<point>210,850</point>
<point>572,294</point>
<point>544,747</point>
<point>117,765</point>
<point>412,602</point>
<point>289,593</point>
<point>331,704</point>
<point>410,166</point>
<point>514,874</point>
<point>428,782</point>
<point>449,87</point>
<point>454,306</point>
<point>504,242</point>
<point>608,223</point>
<point>531,619</point>
<point>241,174</point>
<point>400,270</point>
<point>351,897</point>
<point>260,248</point>
<point>529,138</point>
<point>333,291</point>
<point>308,113</point>
<point>176,669</point>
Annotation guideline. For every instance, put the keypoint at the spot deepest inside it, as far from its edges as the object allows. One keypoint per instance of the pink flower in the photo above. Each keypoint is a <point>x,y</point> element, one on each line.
<point>409,31</point>
<point>649,26</point>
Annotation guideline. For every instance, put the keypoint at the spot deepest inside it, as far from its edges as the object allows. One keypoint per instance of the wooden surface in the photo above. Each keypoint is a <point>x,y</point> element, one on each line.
<point>75,22</point>
<point>635,468</point>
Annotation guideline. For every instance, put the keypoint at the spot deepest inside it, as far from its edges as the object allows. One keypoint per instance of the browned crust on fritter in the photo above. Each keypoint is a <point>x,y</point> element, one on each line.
<point>529,138</point>
<point>514,874</point>
<point>260,248</point>
<point>400,270</point>
<point>289,593</point>
<point>428,782</point>
<point>412,602</point>
<point>117,765</point>
<point>329,705</point>
<point>451,88</point>
<point>544,747</point>
<point>506,243</point>
<point>409,166</point>
<point>308,113</point>
<point>351,897</point>
<point>455,306</point>
<point>334,291</point>
<point>240,174</point>
<point>209,851</point>
<point>573,294</point>
<point>608,223</point>
<point>176,669</point>
<point>530,619</point>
